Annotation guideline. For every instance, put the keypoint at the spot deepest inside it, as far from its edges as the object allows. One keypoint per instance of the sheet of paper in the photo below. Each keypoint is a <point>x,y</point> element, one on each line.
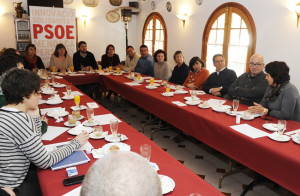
<point>92,105</point>
<point>53,132</point>
<point>105,118</point>
<point>132,83</point>
<point>44,111</point>
<point>51,147</point>
<point>179,103</point>
<point>146,78</point>
<point>74,192</point>
<point>249,131</point>
<point>58,77</point>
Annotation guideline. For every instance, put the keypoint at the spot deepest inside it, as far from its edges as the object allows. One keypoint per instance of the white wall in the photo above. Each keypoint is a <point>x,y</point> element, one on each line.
<point>278,37</point>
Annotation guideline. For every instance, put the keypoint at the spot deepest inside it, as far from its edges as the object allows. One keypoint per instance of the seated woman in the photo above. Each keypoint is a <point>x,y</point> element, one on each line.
<point>161,66</point>
<point>20,133</point>
<point>281,99</point>
<point>60,58</point>
<point>198,75</point>
<point>31,60</point>
<point>110,58</point>
<point>181,70</point>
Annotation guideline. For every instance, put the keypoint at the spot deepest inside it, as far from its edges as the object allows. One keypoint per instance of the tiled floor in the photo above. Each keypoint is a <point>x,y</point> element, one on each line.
<point>200,158</point>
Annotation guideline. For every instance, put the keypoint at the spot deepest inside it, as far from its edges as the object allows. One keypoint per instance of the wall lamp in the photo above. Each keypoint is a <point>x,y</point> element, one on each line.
<point>297,10</point>
<point>183,18</point>
<point>84,18</point>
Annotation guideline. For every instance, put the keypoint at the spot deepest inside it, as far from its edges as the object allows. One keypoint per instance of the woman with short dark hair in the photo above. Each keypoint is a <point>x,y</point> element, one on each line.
<point>181,70</point>
<point>110,58</point>
<point>281,99</point>
<point>31,60</point>
<point>198,75</point>
<point>162,68</point>
<point>20,141</point>
<point>60,58</point>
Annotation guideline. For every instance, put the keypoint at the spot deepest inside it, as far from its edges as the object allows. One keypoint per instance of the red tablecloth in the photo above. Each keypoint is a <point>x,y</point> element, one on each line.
<point>186,181</point>
<point>86,79</point>
<point>278,161</point>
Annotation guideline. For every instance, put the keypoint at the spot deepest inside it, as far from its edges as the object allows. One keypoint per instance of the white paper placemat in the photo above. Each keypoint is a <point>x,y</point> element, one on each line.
<point>249,131</point>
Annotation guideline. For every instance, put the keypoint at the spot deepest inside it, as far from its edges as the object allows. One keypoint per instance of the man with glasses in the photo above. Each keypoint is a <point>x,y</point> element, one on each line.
<point>218,82</point>
<point>250,87</point>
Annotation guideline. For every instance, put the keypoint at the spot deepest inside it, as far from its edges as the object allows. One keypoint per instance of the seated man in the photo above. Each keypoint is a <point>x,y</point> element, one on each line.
<point>250,87</point>
<point>84,58</point>
<point>218,82</point>
<point>122,174</point>
<point>131,59</point>
<point>145,64</point>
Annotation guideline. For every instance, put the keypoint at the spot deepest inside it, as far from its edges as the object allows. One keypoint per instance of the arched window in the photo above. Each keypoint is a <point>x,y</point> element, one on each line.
<point>230,30</point>
<point>155,33</point>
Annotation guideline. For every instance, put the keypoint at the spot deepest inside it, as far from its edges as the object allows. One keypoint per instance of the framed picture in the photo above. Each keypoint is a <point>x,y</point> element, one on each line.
<point>169,6</point>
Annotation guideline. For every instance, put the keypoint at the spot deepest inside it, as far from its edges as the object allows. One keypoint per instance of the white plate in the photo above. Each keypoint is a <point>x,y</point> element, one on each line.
<point>233,113</point>
<point>105,73</point>
<point>74,131</point>
<point>201,106</point>
<point>196,102</point>
<point>122,147</point>
<point>151,87</point>
<point>53,73</point>
<point>81,107</point>
<point>270,126</point>
<point>223,108</point>
<point>190,98</point>
<point>71,125</point>
<point>251,118</point>
<point>61,74</point>
<point>54,101</point>
<point>81,71</point>
<point>66,97</point>
<point>296,139</point>
<point>115,74</point>
<point>275,136</point>
<point>181,92</point>
<point>97,137</point>
<point>169,94</point>
<point>129,77</point>
<point>61,114</point>
<point>138,81</point>
<point>59,85</point>
<point>167,184</point>
<point>111,138</point>
<point>90,124</point>
<point>90,72</point>
<point>80,117</point>
<point>49,92</point>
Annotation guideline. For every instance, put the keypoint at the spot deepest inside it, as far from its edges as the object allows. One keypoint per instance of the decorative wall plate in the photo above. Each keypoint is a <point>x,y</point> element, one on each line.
<point>68,1</point>
<point>199,2</point>
<point>90,3</point>
<point>169,6</point>
<point>153,6</point>
<point>113,16</point>
<point>115,2</point>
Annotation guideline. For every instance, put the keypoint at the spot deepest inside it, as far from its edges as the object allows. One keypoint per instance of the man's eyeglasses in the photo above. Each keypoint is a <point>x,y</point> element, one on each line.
<point>221,61</point>
<point>255,64</point>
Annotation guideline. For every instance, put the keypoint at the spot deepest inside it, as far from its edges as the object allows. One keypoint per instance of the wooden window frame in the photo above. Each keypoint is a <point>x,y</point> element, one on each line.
<point>153,16</point>
<point>228,9</point>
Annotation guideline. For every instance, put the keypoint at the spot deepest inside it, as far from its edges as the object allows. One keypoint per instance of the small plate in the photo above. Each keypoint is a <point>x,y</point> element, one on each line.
<point>251,118</point>
<point>196,102</point>
<point>122,147</point>
<point>81,71</point>
<point>139,81</point>
<point>111,138</point>
<point>67,124</point>
<point>275,136</point>
<point>115,74</point>
<point>167,184</point>
<point>62,74</point>
<point>270,126</point>
<point>90,124</point>
<point>203,107</point>
<point>151,87</point>
<point>181,92</point>
<point>190,98</point>
<point>296,139</point>
<point>61,114</point>
<point>81,107</point>
<point>223,108</point>
<point>59,85</point>
<point>49,92</point>
<point>74,131</point>
<point>54,101</point>
<point>233,113</point>
<point>68,97</point>
<point>95,136</point>
<point>129,77</point>
<point>169,94</point>
<point>90,72</point>
<point>105,73</point>
<point>54,73</point>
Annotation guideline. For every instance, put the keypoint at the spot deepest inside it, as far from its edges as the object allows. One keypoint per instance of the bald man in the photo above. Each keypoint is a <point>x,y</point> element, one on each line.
<point>250,87</point>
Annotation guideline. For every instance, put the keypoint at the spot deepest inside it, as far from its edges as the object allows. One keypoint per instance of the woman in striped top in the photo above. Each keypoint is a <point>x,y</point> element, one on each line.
<point>20,134</point>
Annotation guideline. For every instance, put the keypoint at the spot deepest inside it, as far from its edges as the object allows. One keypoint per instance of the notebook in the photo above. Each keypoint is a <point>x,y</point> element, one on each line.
<point>76,158</point>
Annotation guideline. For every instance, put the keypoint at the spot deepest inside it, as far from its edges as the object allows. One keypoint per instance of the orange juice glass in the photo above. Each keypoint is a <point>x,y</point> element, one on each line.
<point>77,100</point>
<point>53,68</point>
<point>110,68</point>
<point>99,67</point>
<point>167,89</point>
<point>118,70</point>
<point>72,68</point>
<point>151,81</point>
<point>138,77</point>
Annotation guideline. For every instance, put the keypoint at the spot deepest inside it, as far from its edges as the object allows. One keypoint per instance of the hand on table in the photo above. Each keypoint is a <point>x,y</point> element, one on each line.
<point>82,138</point>
<point>9,191</point>
<point>191,86</point>
<point>258,109</point>
<point>215,90</point>
<point>218,94</point>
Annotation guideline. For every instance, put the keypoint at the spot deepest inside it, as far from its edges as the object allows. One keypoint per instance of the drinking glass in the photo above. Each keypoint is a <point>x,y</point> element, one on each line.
<point>145,151</point>
<point>114,126</point>
<point>110,68</point>
<point>77,100</point>
<point>72,68</point>
<point>46,84</point>
<point>98,130</point>
<point>72,119</point>
<point>193,94</point>
<point>69,90</point>
<point>99,67</point>
<point>151,81</point>
<point>52,79</point>
<point>235,105</point>
<point>138,76</point>
<point>90,114</point>
<point>281,126</point>
<point>53,68</point>
<point>118,70</point>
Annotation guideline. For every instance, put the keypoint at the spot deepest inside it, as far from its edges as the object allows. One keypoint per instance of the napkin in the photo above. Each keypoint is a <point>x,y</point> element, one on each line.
<point>58,77</point>
<point>77,74</point>
<point>179,103</point>
<point>97,153</point>
<point>132,83</point>
<point>73,93</point>
<point>92,105</point>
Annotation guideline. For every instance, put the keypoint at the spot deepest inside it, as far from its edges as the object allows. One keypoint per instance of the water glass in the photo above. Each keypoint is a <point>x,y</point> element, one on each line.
<point>90,114</point>
<point>69,89</point>
<point>72,120</point>
<point>235,104</point>
<point>98,130</point>
<point>114,126</point>
<point>193,94</point>
<point>145,151</point>
<point>52,79</point>
<point>281,126</point>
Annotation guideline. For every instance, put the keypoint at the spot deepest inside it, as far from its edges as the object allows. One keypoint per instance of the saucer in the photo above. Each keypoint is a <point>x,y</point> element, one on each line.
<point>49,92</point>
<point>151,87</point>
<point>296,139</point>
<point>81,107</point>
<point>233,113</point>
<point>54,101</point>
<point>169,94</point>
<point>115,74</point>
<point>66,97</point>
<point>190,98</point>
<point>75,131</point>
<point>106,149</point>
<point>181,92</point>
<point>203,107</point>
<point>59,85</point>
<point>95,135</point>
<point>112,138</point>
<point>90,124</point>
<point>270,126</point>
<point>190,102</point>
<point>275,136</point>
<point>167,184</point>
<point>223,108</point>
<point>67,124</point>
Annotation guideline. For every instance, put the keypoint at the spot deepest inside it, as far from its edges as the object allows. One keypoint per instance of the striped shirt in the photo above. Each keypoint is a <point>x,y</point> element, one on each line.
<point>20,144</point>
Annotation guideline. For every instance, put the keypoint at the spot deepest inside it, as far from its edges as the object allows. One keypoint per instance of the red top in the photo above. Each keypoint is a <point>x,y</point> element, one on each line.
<point>198,78</point>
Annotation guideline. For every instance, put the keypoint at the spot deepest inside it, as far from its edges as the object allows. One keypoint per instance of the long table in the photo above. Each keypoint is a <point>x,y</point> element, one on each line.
<point>277,161</point>
<point>186,181</point>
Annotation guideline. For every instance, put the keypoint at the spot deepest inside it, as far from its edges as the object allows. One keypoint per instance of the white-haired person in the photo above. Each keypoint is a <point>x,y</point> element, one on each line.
<point>122,174</point>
